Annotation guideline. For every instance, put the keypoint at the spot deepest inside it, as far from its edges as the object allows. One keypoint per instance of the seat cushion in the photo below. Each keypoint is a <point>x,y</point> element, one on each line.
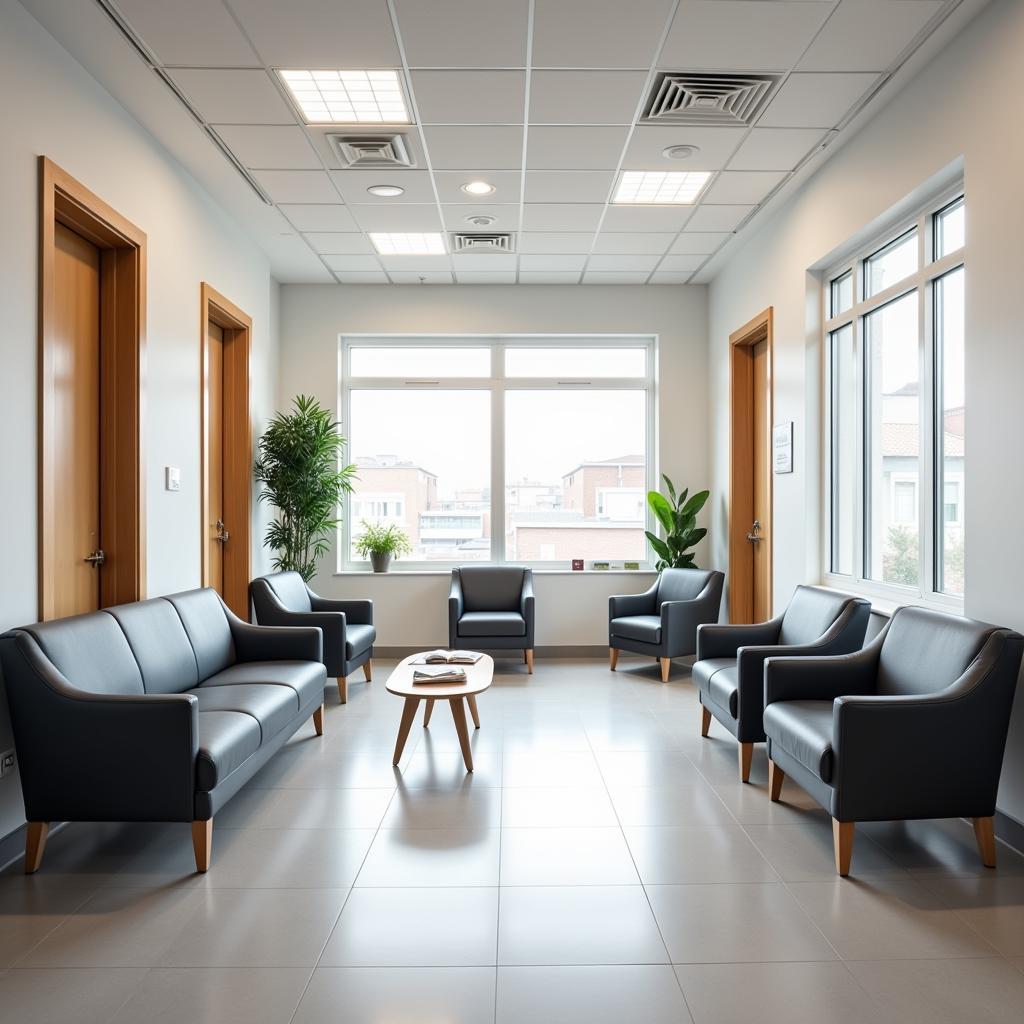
<point>306,678</point>
<point>358,638</point>
<point>271,704</point>
<point>492,624</point>
<point>703,671</point>
<point>803,728</point>
<point>723,689</point>
<point>646,628</point>
<point>226,740</point>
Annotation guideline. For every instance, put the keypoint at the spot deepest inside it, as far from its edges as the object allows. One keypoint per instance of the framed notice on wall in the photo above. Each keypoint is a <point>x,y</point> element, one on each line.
<point>782,447</point>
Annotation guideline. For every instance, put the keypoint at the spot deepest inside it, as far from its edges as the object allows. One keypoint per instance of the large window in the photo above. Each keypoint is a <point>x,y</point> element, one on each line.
<point>496,449</point>
<point>894,345</point>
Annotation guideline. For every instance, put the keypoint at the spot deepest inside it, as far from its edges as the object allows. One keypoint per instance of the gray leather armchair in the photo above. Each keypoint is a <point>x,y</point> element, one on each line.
<point>283,599</point>
<point>662,621</point>
<point>912,726</point>
<point>492,606</point>
<point>729,671</point>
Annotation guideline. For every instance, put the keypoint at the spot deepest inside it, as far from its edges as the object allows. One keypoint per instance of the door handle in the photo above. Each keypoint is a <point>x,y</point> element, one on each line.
<point>97,558</point>
<point>755,533</point>
<point>222,535</point>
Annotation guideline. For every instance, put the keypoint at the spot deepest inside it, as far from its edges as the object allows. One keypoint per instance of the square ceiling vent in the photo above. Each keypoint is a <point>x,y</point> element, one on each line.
<point>493,241</point>
<point>388,150</point>
<point>703,98</point>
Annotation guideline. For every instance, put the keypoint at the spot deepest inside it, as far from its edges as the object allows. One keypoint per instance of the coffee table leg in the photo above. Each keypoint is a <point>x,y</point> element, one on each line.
<point>408,714</point>
<point>428,712</point>
<point>459,714</point>
<point>471,698</point>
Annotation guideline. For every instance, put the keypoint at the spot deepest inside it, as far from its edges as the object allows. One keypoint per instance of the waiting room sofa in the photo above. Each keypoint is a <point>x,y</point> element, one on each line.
<point>491,607</point>
<point>912,726</point>
<point>155,711</point>
<point>284,599</point>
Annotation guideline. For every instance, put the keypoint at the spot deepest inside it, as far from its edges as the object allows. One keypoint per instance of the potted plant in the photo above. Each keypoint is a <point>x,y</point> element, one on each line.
<point>677,515</point>
<point>299,467</point>
<point>381,543</point>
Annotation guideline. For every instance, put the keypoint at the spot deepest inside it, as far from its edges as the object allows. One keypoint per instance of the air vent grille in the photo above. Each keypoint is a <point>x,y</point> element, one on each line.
<point>680,97</point>
<point>371,150</point>
<point>493,241</point>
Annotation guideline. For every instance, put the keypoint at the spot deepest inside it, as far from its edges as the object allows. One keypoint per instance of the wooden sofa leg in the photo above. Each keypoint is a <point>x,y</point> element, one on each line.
<point>705,720</point>
<point>35,843</point>
<point>613,657</point>
<point>318,720</point>
<point>666,667</point>
<point>368,670</point>
<point>528,657</point>
<point>202,843</point>
<point>428,712</point>
<point>776,776</point>
<point>842,842</point>
<point>746,755</point>
<point>986,837</point>
<point>343,689</point>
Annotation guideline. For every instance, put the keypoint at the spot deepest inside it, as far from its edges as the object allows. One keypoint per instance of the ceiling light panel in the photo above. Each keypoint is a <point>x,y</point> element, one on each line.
<point>408,243</point>
<point>348,97</point>
<point>664,188</point>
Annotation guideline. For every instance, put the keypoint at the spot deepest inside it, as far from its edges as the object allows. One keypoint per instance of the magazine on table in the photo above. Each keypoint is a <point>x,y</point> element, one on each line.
<point>442,657</point>
<point>438,674</point>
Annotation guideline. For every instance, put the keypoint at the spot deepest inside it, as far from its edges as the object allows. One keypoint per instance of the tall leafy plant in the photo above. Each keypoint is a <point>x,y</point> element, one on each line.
<point>299,467</point>
<point>677,515</point>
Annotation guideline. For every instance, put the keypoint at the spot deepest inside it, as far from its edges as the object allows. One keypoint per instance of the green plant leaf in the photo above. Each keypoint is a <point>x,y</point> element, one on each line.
<point>671,488</point>
<point>659,546</point>
<point>662,509</point>
<point>696,503</point>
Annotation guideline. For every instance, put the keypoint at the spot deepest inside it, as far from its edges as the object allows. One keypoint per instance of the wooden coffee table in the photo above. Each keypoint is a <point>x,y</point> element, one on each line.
<point>478,679</point>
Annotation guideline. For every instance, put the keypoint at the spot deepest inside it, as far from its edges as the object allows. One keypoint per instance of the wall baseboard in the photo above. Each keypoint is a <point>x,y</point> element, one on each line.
<point>1010,831</point>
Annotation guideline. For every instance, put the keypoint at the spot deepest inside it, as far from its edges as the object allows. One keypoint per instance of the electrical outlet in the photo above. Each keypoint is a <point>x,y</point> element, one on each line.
<point>6,763</point>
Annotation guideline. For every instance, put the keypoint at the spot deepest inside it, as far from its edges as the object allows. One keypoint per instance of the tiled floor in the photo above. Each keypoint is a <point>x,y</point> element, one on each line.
<point>601,865</point>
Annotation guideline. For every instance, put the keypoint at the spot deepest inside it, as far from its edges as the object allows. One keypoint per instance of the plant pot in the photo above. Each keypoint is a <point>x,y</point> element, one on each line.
<point>381,562</point>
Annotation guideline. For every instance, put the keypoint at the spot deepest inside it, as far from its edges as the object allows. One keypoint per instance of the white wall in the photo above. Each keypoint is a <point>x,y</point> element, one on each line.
<point>50,106</point>
<point>572,610</point>
<point>954,109</point>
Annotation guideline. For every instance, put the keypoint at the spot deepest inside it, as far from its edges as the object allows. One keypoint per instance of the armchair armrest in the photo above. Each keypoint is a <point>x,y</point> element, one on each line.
<point>680,620</point>
<point>633,604</point>
<point>715,640</point>
<point>455,608</point>
<point>357,611</point>
<point>818,678</point>
<point>283,643</point>
<point>527,602</point>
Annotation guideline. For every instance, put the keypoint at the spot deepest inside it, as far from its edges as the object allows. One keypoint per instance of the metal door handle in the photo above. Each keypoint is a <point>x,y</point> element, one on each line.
<point>222,535</point>
<point>97,558</point>
<point>755,535</point>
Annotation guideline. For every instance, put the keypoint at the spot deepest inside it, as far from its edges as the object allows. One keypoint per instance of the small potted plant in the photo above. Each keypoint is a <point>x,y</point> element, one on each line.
<point>381,543</point>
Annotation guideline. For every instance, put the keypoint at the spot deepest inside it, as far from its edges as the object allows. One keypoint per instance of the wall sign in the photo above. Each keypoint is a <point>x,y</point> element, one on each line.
<point>782,447</point>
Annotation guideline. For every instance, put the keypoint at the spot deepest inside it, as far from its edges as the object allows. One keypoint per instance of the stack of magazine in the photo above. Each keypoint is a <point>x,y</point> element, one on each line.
<point>443,666</point>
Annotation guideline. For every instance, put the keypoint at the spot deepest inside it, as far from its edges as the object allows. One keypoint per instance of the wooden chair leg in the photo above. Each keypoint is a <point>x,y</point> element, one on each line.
<point>776,776</point>
<point>473,710</point>
<point>705,720</point>
<point>428,712</point>
<point>202,843</point>
<point>343,689</point>
<point>746,754</point>
<point>613,657</point>
<point>986,837</point>
<point>318,720</point>
<point>529,660</point>
<point>666,667</point>
<point>35,843</point>
<point>368,670</point>
<point>842,842</point>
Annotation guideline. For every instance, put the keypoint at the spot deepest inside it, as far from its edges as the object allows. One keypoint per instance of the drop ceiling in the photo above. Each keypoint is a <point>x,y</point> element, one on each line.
<point>544,99</point>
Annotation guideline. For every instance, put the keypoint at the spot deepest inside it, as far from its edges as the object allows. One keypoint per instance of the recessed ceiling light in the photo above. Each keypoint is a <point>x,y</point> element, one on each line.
<point>386,191</point>
<point>346,97</point>
<point>660,187</point>
<point>478,188</point>
<point>408,243</point>
<point>480,220</point>
<point>680,152</point>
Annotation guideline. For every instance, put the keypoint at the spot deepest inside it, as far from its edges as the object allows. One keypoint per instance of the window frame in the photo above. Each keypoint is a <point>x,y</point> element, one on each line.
<point>922,283</point>
<point>498,385</point>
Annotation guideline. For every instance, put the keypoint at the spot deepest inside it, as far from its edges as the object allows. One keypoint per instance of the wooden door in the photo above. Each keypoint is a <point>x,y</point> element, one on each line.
<point>215,526</point>
<point>76,420</point>
<point>761,471</point>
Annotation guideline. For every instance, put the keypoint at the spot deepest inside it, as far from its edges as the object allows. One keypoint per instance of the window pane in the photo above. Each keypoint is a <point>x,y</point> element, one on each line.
<point>424,461</point>
<point>575,475</point>
<point>893,441</point>
<point>949,348</point>
<point>949,229</point>
<point>841,298</point>
<point>890,264</point>
<point>843,448</point>
<point>575,362</point>
<point>417,361</point>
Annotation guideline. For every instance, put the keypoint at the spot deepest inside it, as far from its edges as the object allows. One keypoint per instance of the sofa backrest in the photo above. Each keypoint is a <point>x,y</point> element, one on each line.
<point>491,588</point>
<point>811,611</point>
<point>682,584</point>
<point>924,651</point>
<point>160,645</point>
<point>290,589</point>
<point>206,623</point>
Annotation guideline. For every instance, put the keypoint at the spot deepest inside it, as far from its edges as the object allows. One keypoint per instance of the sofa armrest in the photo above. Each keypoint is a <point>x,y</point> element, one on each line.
<point>281,643</point>
<point>721,640</point>
<point>357,611</point>
<point>633,604</point>
<point>817,678</point>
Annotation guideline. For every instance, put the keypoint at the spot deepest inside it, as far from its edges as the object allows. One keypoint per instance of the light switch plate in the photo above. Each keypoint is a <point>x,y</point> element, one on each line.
<point>172,478</point>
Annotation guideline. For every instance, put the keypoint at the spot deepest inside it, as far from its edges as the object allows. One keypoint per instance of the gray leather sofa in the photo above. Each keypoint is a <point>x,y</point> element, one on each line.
<point>662,621</point>
<point>729,671</point>
<point>912,726</point>
<point>284,599</point>
<point>492,607</point>
<point>155,711</point>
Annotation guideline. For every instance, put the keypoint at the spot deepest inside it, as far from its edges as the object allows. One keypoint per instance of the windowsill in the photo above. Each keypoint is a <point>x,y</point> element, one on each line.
<point>885,605</point>
<point>536,572</point>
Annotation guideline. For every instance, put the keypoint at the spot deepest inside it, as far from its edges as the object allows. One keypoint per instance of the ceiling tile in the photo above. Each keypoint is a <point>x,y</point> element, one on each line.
<point>320,34</point>
<point>618,277</point>
<point>233,96</point>
<point>506,217</point>
<point>293,262</point>
<point>551,277</point>
<point>555,241</point>
<point>868,35</point>
<point>717,218</point>
<point>573,148</point>
<point>339,242</point>
<point>561,216</point>
<point>352,185</point>
<point>815,101</point>
<point>192,32</point>
<point>414,264</point>
<point>484,262</point>
<point>275,147</point>
<point>423,277</point>
<point>775,149</point>
<point>401,217</point>
<point>476,277</point>
<point>623,262</point>
<point>702,243</point>
<point>318,217</point>
<point>646,218</point>
<point>680,264</point>
<point>653,242</point>
<point>741,35</point>
<point>660,278</point>
<point>597,33</point>
<point>649,142</point>
<point>456,33</point>
<point>349,264</point>
<point>298,186</point>
<point>742,186</point>
<point>322,144</point>
<point>354,277</point>
<point>507,185</point>
<point>585,97</point>
<point>453,147</point>
<point>568,186</point>
<point>470,97</point>
<point>549,264</point>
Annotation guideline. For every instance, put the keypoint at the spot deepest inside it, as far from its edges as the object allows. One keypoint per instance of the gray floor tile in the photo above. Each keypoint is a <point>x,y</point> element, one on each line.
<point>29,913</point>
<point>804,853</point>
<point>750,805</point>
<point>676,855</point>
<point>550,768</point>
<point>683,802</point>
<point>565,856</point>
<point>993,906</point>
<point>642,767</point>
<point>436,857</point>
<point>315,808</point>
<point>445,808</point>
<point>565,807</point>
<point>944,847</point>
<point>59,996</point>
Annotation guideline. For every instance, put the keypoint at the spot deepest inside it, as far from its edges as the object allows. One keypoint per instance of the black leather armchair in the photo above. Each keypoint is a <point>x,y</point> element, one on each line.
<point>912,726</point>
<point>283,599</point>
<point>662,621</point>
<point>729,671</point>
<point>492,606</point>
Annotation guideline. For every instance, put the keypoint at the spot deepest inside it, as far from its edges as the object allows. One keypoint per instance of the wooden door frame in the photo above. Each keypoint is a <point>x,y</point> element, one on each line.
<point>741,462</point>
<point>122,248</point>
<point>237,453</point>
